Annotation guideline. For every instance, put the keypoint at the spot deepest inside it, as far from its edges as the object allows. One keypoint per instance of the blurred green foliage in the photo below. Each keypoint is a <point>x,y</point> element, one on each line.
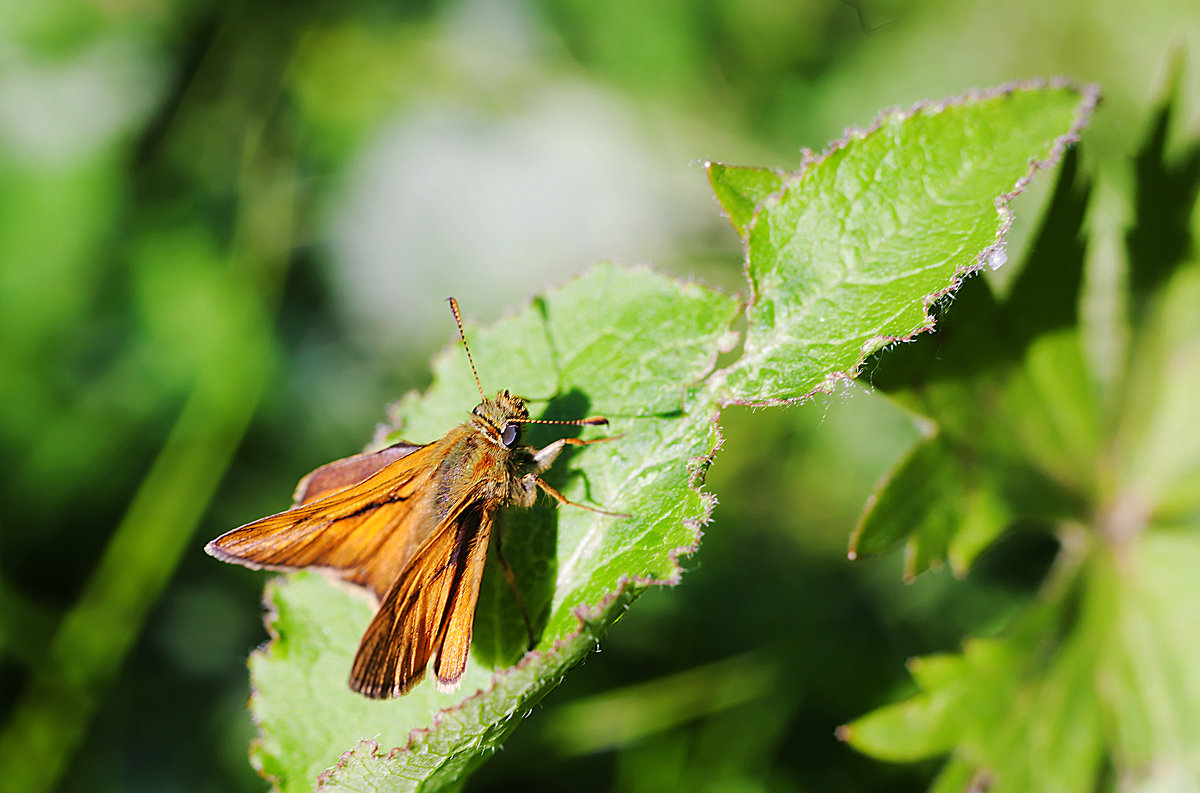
<point>1094,679</point>
<point>183,334</point>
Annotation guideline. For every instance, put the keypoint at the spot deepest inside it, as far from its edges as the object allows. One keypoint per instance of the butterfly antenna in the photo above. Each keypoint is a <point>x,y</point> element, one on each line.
<point>463,335</point>
<point>593,420</point>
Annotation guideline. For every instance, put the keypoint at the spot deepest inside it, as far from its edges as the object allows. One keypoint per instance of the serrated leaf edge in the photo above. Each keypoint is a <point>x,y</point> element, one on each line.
<point>1089,98</point>
<point>587,616</point>
<point>782,173</point>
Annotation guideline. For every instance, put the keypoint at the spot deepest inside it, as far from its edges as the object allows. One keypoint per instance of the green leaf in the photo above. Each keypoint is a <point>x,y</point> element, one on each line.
<point>640,349</point>
<point>1166,190</point>
<point>741,190</point>
<point>1159,438</point>
<point>904,208</point>
<point>577,570</point>
<point>1010,400</point>
<point>935,505</point>
<point>1101,687</point>
<point>1147,674</point>
<point>1032,716</point>
<point>955,691</point>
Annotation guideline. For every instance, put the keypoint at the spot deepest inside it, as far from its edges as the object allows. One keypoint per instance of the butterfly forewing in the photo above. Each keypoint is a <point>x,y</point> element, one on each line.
<point>348,471</point>
<point>366,533</point>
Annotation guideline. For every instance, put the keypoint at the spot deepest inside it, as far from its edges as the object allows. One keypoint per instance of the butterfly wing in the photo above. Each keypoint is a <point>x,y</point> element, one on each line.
<point>348,471</point>
<point>429,612</point>
<point>365,532</point>
<point>455,638</point>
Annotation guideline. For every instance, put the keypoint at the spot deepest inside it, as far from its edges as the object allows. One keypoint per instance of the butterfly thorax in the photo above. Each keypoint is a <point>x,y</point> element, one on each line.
<point>483,460</point>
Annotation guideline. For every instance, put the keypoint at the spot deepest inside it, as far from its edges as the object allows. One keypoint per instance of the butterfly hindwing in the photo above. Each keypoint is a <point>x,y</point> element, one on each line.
<point>455,638</point>
<point>430,610</point>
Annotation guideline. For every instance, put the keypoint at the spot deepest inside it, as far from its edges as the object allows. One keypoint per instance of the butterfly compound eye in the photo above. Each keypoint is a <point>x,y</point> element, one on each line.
<point>509,436</point>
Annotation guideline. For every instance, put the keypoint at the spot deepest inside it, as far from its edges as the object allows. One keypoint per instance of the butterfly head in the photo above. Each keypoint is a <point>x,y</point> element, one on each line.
<point>501,418</point>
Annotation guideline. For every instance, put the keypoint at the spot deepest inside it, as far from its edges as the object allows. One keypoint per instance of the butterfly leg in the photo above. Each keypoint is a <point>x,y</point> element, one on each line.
<point>546,457</point>
<point>512,582</point>
<point>560,498</point>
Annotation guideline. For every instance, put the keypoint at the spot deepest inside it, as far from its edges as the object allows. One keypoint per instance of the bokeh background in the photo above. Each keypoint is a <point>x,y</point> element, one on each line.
<point>226,230</point>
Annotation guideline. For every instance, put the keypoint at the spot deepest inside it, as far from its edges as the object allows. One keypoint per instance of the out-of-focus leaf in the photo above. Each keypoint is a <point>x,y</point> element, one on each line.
<point>1015,408</point>
<point>1146,676</point>
<point>934,504</point>
<point>1165,193</point>
<point>1159,439</point>
<point>956,693</point>
<point>1103,693</point>
<point>1025,714</point>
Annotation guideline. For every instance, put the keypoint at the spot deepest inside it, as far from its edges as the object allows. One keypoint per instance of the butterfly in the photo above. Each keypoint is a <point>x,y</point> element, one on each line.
<point>412,524</point>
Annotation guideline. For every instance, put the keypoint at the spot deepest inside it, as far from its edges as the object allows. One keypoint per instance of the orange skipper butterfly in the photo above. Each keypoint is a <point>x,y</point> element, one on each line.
<point>412,524</point>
